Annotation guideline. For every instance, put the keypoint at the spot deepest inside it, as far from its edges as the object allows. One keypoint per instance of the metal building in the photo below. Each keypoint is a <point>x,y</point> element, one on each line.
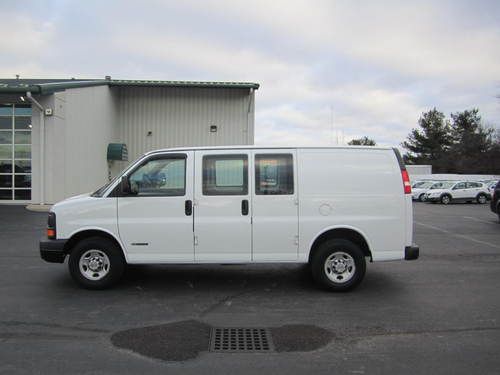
<point>59,138</point>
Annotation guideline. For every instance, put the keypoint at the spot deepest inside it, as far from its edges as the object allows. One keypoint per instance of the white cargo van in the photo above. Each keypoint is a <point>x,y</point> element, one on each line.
<point>330,207</point>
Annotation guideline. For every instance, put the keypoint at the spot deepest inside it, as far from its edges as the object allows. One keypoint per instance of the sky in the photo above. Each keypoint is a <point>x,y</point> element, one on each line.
<point>329,71</point>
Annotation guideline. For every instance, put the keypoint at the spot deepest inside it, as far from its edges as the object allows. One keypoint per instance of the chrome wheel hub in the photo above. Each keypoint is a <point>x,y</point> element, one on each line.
<point>94,264</point>
<point>340,267</point>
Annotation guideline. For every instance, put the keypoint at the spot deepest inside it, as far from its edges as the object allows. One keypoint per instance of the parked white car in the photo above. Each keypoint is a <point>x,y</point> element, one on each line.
<point>460,191</point>
<point>418,190</point>
<point>241,205</point>
<point>491,187</point>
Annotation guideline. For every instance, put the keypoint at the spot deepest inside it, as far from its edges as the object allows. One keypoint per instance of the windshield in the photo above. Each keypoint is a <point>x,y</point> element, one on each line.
<point>442,185</point>
<point>99,192</point>
<point>424,185</point>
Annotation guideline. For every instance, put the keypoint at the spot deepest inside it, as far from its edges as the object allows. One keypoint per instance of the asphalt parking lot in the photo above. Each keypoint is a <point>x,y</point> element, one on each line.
<point>437,315</point>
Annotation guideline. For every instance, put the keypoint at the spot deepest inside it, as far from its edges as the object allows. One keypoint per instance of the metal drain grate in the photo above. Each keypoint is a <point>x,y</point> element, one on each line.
<point>243,340</point>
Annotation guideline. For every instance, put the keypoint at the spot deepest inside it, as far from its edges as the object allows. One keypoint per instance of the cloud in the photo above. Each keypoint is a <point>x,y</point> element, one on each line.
<point>325,68</point>
<point>23,38</point>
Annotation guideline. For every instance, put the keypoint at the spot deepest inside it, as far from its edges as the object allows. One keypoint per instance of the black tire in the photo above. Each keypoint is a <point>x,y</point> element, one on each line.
<point>327,249</point>
<point>101,245</point>
<point>445,199</point>
<point>481,198</point>
<point>421,197</point>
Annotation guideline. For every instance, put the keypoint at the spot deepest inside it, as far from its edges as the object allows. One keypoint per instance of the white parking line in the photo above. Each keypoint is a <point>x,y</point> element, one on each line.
<point>479,220</point>
<point>458,235</point>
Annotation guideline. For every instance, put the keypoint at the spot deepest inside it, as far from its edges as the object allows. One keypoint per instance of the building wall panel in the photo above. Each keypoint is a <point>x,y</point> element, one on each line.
<point>179,117</point>
<point>86,120</point>
<point>90,127</point>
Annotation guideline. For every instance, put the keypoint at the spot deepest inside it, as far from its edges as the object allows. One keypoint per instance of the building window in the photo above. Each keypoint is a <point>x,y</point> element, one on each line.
<point>225,175</point>
<point>15,152</point>
<point>273,174</point>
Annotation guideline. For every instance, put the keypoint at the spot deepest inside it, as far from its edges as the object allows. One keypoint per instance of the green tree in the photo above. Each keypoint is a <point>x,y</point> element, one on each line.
<point>472,142</point>
<point>364,141</point>
<point>491,159</point>
<point>430,143</point>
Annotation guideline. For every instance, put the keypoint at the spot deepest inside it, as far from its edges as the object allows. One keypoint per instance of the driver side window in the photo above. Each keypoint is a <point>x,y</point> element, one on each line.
<point>459,186</point>
<point>165,176</point>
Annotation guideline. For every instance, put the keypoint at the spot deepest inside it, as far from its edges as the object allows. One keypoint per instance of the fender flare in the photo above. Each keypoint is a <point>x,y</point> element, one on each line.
<point>334,227</point>
<point>99,229</point>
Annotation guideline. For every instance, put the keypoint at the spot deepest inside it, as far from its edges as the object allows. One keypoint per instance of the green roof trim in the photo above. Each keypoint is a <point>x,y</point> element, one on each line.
<point>49,86</point>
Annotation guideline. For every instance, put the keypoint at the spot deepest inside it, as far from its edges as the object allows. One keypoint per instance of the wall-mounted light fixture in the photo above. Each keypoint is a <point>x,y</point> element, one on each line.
<point>150,133</point>
<point>22,98</point>
<point>213,128</point>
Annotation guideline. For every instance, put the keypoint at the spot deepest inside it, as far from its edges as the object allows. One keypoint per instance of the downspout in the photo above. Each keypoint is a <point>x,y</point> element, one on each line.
<point>42,145</point>
<point>250,98</point>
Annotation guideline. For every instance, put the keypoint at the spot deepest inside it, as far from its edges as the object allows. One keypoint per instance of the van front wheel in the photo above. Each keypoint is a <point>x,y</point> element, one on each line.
<point>96,263</point>
<point>338,265</point>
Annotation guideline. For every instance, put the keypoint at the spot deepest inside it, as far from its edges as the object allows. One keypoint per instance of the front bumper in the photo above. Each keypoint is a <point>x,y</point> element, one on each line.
<point>52,251</point>
<point>412,252</point>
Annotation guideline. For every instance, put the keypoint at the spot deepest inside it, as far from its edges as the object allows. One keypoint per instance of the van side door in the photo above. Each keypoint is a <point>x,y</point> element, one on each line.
<point>222,211</point>
<point>156,222</point>
<point>275,206</point>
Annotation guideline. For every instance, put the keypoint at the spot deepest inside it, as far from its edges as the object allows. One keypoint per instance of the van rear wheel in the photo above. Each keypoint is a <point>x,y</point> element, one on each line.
<point>96,263</point>
<point>338,265</point>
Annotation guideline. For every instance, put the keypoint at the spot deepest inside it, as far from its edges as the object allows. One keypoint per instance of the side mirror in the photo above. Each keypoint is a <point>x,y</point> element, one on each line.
<point>125,186</point>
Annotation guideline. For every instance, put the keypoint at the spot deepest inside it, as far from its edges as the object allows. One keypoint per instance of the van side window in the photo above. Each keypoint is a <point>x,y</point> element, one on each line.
<point>165,176</point>
<point>273,174</point>
<point>225,175</point>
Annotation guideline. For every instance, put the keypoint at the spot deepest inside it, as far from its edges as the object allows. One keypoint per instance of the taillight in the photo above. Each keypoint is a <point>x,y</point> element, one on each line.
<point>406,181</point>
<point>404,172</point>
<point>51,226</point>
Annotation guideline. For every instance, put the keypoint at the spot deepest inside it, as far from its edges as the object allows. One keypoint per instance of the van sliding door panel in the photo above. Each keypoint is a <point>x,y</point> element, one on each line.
<point>222,211</point>
<point>275,206</point>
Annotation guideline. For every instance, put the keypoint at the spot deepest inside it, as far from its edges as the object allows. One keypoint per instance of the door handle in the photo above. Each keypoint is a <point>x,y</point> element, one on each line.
<point>244,207</point>
<point>188,207</point>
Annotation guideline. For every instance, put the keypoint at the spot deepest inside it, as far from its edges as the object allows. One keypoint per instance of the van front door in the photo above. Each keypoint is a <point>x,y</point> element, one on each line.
<point>275,206</point>
<point>222,211</point>
<point>156,221</point>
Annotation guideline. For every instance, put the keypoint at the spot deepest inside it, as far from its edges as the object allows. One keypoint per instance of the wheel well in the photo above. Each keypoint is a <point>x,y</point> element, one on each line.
<point>77,237</point>
<point>343,233</point>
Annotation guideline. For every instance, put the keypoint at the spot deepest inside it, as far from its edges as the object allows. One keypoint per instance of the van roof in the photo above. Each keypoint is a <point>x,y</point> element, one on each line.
<point>249,147</point>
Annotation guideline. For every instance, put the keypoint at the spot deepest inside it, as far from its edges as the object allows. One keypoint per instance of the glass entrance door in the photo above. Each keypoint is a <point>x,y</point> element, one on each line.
<point>15,152</point>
